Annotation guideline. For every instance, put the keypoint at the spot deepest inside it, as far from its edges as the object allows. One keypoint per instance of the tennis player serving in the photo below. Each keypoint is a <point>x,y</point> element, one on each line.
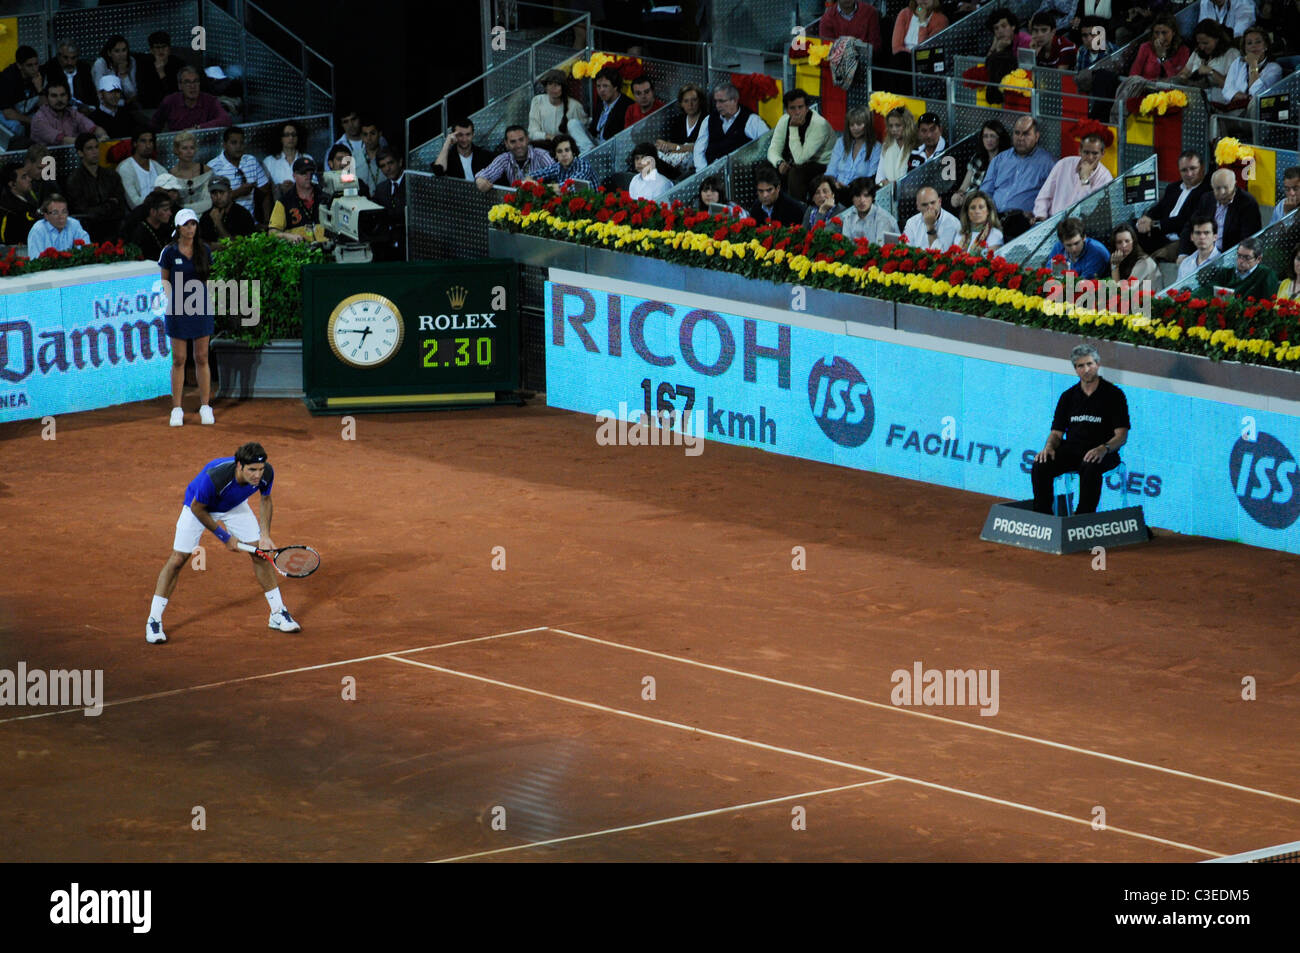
<point>217,500</point>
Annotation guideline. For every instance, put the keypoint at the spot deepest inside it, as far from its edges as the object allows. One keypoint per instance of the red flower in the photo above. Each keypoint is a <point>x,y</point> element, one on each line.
<point>939,269</point>
<point>890,267</point>
<point>907,266</point>
<point>619,217</point>
<point>1222,322</point>
<point>528,207</point>
<point>957,277</point>
<point>720,234</point>
<point>1200,321</point>
<point>610,199</point>
<point>603,215</point>
<point>981,273</point>
<point>748,222</point>
<point>767,242</point>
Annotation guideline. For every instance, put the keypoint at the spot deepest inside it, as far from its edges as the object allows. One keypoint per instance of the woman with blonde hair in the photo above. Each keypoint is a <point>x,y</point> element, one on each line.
<point>192,174</point>
<point>900,139</point>
<point>980,226</point>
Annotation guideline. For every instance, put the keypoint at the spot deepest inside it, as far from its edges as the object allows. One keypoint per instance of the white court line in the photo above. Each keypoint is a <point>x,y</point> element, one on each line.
<point>800,754</point>
<point>666,820</point>
<point>921,714</point>
<point>287,671</point>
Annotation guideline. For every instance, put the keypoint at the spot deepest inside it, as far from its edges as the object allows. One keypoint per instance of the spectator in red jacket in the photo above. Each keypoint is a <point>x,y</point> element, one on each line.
<point>1164,55</point>
<point>855,18</point>
<point>918,21</point>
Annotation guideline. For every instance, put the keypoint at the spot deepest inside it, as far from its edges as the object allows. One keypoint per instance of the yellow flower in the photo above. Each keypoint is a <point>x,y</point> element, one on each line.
<point>1017,80</point>
<point>884,103</point>
<point>1230,151</point>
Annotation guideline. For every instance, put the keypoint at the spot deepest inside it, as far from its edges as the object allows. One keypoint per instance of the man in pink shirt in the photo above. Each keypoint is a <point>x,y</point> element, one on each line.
<point>855,18</point>
<point>57,123</point>
<point>1072,178</point>
<point>190,108</point>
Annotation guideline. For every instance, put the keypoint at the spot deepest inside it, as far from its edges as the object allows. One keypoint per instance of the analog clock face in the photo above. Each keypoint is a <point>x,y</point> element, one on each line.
<point>365,330</point>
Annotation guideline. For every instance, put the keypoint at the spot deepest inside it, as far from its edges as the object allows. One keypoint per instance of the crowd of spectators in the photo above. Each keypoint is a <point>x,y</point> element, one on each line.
<point>812,173</point>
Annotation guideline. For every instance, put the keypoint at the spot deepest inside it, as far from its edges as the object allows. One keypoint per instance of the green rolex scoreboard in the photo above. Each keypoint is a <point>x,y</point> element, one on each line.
<point>397,336</point>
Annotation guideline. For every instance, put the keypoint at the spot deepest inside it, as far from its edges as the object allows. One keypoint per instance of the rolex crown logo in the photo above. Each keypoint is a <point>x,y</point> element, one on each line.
<point>457,295</point>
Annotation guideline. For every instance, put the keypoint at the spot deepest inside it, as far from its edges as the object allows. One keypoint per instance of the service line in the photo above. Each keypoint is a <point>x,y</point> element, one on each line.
<point>974,726</point>
<point>593,706</point>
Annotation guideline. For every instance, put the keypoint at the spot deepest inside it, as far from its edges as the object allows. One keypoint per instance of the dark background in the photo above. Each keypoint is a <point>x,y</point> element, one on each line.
<point>391,59</point>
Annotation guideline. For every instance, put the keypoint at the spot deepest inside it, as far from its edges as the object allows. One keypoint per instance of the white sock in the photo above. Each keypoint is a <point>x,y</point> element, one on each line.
<point>156,608</point>
<point>273,599</point>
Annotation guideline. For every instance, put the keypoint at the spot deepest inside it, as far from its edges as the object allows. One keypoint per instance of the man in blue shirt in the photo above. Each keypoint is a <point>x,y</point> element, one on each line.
<point>217,500</point>
<point>1086,257</point>
<point>58,231</point>
<point>1016,175</point>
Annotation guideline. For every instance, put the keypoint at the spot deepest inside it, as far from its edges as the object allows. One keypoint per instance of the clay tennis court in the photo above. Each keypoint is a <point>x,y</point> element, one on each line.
<point>518,696</point>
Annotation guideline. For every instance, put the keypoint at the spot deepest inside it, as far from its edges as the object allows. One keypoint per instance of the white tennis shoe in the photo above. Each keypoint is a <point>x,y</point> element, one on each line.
<point>205,415</point>
<point>153,632</point>
<point>178,417</point>
<point>283,622</point>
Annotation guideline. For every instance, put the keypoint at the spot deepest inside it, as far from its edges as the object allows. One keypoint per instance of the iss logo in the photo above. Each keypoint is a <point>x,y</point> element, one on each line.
<point>841,402</point>
<point>1264,478</point>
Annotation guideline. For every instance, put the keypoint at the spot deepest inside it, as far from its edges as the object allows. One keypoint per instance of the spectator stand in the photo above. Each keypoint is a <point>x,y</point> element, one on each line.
<point>1272,115</point>
<point>1277,242</point>
<point>502,87</point>
<point>283,76</point>
<point>447,218</point>
<point>1137,133</point>
<point>766,25</point>
<point>1101,211</point>
<point>521,54</point>
<point>261,139</point>
<point>273,85</point>
<point>967,37</point>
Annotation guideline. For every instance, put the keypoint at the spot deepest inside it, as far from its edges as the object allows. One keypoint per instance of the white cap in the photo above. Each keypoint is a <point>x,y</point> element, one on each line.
<point>109,82</point>
<point>186,215</point>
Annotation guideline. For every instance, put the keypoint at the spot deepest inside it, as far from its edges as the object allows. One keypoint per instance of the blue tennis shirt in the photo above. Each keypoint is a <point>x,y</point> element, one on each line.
<point>215,486</point>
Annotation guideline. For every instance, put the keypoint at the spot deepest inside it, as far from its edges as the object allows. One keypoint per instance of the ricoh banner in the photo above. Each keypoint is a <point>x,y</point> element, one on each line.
<point>82,346</point>
<point>1195,466</point>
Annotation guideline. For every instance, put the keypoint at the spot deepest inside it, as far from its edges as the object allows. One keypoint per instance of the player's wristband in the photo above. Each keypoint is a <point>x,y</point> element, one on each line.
<point>223,534</point>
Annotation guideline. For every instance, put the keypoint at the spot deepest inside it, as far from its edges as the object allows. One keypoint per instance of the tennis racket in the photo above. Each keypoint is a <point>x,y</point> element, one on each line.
<point>294,561</point>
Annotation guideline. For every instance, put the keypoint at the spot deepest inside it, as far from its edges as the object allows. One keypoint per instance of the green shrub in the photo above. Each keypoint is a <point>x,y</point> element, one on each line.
<point>277,266</point>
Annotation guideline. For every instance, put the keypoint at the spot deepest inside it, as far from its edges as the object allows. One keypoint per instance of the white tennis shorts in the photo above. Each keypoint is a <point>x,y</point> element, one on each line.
<point>240,521</point>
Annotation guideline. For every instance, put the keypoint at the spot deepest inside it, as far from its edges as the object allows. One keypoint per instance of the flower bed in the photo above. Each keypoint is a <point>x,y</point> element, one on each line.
<point>104,253</point>
<point>1260,332</point>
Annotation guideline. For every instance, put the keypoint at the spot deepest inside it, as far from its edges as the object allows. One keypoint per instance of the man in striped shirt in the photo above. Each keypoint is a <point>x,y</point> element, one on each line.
<point>518,162</point>
<point>247,177</point>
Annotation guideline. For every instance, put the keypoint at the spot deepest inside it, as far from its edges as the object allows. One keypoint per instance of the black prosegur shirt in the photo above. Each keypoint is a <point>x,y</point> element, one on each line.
<point>1089,421</point>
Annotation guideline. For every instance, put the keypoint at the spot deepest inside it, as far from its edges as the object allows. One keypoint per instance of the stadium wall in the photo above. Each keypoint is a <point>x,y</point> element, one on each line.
<point>80,339</point>
<point>873,395</point>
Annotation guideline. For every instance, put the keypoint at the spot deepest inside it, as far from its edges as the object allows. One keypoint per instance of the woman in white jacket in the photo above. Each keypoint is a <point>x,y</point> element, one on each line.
<point>554,111</point>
